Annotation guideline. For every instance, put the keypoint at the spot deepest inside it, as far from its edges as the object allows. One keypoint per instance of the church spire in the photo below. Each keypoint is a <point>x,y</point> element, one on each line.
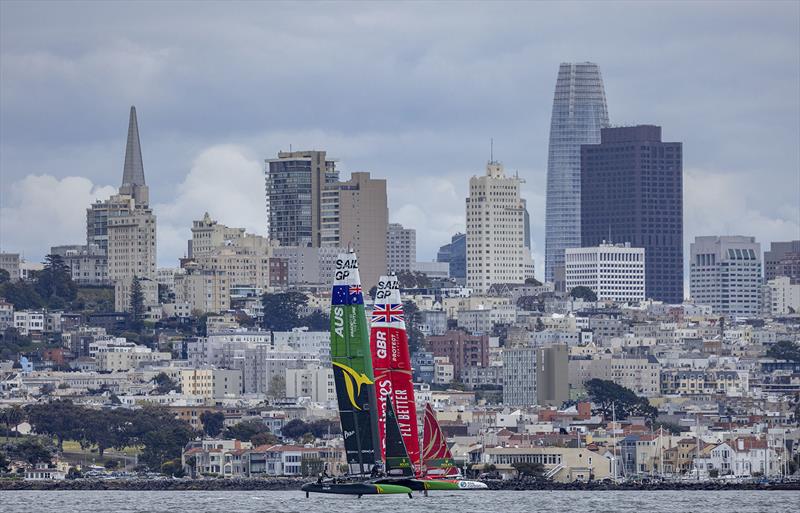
<point>133,173</point>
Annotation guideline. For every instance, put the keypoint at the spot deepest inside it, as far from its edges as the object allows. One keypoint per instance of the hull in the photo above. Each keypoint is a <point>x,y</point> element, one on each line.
<point>355,488</point>
<point>419,485</point>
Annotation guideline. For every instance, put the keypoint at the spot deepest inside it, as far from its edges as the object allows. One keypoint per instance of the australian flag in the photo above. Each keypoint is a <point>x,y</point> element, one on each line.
<point>347,295</point>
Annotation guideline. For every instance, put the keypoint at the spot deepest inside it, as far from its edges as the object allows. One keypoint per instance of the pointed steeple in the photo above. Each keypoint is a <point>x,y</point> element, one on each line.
<point>133,173</point>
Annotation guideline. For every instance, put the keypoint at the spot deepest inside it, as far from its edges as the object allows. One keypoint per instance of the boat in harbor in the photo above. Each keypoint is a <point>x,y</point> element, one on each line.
<point>355,389</point>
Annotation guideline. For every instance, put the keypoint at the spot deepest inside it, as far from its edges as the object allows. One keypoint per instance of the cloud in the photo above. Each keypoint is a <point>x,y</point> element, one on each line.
<point>222,181</point>
<point>44,211</point>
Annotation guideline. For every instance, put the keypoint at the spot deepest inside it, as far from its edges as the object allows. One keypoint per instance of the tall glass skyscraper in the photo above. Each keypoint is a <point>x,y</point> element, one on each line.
<point>579,112</point>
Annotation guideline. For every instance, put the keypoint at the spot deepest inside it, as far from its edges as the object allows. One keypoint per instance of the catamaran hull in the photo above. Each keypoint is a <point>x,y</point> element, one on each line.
<point>419,485</point>
<point>355,488</point>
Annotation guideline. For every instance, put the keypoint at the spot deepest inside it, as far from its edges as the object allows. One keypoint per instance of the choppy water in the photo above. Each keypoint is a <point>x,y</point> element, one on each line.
<point>439,502</point>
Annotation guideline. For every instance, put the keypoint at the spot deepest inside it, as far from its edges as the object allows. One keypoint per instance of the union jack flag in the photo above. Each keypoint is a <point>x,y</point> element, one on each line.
<point>355,289</point>
<point>387,313</point>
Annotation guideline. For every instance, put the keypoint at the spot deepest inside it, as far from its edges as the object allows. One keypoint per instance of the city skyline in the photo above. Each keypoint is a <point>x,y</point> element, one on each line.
<point>427,154</point>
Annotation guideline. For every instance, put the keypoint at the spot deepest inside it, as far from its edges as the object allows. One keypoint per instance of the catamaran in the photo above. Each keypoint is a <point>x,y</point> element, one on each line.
<point>355,389</point>
<point>375,393</point>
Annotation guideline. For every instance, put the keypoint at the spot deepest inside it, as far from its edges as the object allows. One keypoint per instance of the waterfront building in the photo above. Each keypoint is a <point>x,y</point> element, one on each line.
<point>294,184</point>
<point>579,113</point>
<point>632,191</point>
<point>725,273</point>
<point>495,230</point>
<point>615,272</point>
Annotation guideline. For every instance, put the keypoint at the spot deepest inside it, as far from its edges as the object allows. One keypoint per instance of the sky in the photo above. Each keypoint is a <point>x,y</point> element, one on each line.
<point>412,92</point>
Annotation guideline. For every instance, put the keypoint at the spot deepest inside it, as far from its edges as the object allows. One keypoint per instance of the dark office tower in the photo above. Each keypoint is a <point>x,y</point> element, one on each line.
<point>294,185</point>
<point>579,112</point>
<point>778,252</point>
<point>455,254</point>
<point>632,191</point>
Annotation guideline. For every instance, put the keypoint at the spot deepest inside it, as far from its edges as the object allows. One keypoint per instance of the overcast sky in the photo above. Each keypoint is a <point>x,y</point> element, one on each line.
<point>412,92</point>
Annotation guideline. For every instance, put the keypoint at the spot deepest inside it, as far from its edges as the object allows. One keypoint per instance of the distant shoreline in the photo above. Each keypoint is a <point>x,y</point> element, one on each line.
<point>290,484</point>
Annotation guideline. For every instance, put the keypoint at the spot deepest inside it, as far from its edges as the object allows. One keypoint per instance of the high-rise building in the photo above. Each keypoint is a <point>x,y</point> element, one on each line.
<point>294,185</point>
<point>615,272</point>
<point>124,228</point>
<point>632,191</point>
<point>780,296</point>
<point>133,183</point>
<point>131,250</point>
<point>779,251</point>
<point>401,247</point>
<point>552,375</point>
<point>455,254</point>
<point>519,376</point>
<point>495,230</point>
<point>725,273</point>
<point>355,215</point>
<point>579,112</point>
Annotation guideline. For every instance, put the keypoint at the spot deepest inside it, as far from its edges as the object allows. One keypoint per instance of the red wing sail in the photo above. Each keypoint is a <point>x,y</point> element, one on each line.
<point>391,363</point>
<point>436,457</point>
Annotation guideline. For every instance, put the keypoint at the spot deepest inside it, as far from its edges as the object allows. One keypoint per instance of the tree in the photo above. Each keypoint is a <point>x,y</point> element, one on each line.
<point>137,311</point>
<point>12,417</point>
<point>4,462</point>
<point>282,310</point>
<point>416,339</point>
<point>609,397</point>
<point>213,422</point>
<point>30,450</point>
<point>59,418</point>
<point>5,276</point>
<point>295,429</point>
<point>277,386</point>
<point>533,281</point>
<point>263,438</point>
<point>162,435</point>
<point>785,350</point>
<point>539,325</point>
<point>246,430</point>
<point>54,283</point>
<point>165,384</point>
<point>413,280</point>
<point>22,295</point>
<point>316,321</point>
<point>104,429</point>
<point>528,469</point>
<point>585,293</point>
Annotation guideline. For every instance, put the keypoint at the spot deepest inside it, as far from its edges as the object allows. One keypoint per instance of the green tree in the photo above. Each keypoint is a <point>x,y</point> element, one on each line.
<point>213,422</point>
<point>104,429</point>
<point>533,281</point>
<point>528,303</point>
<point>528,469</point>
<point>5,277</point>
<point>54,282</point>
<point>609,397</point>
<point>11,417</point>
<point>22,295</point>
<point>413,280</point>
<point>30,450</point>
<point>4,462</point>
<point>137,311</point>
<point>785,350</point>
<point>263,438</point>
<point>585,293</point>
<point>295,429</point>
<point>59,418</point>
<point>246,430</point>
<point>162,435</point>
<point>416,339</point>
<point>165,384</point>
<point>277,386</point>
<point>316,321</point>
<point>282,310</point>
